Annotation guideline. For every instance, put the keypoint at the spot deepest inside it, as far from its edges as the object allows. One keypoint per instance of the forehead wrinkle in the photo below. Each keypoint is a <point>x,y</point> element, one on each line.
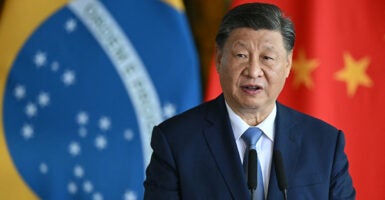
<point>263,46</point>
<point>263,41</point>
<point>268,47</point>
<point>240,43</point>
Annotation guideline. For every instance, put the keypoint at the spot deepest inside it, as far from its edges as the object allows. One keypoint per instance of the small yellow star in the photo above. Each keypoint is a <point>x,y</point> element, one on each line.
<point>354,74</point>
<point>302,68</point>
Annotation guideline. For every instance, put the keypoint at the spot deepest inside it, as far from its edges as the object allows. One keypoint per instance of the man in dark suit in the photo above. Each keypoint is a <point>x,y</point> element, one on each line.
<point>199,154</point>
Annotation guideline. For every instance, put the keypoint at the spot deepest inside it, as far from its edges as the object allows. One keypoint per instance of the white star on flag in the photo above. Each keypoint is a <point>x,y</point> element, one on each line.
<point>104,123</point>
<point>31,110</point>
<point>82,132</point>
<point>100,142</point>
<point>72,188</point>
<point>27,131</point>
<point>88,187</point>
<point>70,25</point>
<point>68,78</point>
<point>43,168</point>
<point>55,66</point>
<point>19,92</point>
<point>82,118</point>
<point>129,195</point>
<point>40,59</point>
<point>128,135</point>
<point>169,110</point>
<point>97,196</point>
<point>43,99</point>
<point>78,171</point>
<point>74,149</point>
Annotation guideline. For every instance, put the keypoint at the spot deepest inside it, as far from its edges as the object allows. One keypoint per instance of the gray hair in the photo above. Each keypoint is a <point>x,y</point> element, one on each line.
<point>257,16</point>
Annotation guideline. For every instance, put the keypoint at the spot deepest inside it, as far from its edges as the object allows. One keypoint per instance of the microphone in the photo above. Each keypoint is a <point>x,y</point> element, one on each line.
<point>280,171</point>
<point>252,173</point>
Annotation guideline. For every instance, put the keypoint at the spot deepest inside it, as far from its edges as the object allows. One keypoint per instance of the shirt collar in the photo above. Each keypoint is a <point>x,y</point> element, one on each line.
<point>239,126</point>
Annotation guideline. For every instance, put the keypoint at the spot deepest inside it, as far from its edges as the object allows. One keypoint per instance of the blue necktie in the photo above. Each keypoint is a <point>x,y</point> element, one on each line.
<point>251,137</point>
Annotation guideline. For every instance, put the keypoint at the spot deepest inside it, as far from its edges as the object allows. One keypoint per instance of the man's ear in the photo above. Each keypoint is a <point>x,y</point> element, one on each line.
<point>289,63</point>
<point>218,57</point>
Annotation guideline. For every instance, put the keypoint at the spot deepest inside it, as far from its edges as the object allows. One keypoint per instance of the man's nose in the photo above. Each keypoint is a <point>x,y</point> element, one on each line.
<point>254,68</point>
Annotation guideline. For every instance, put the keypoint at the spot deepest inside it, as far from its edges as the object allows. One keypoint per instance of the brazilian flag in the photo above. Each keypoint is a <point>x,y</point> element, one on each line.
<point>82,83</point>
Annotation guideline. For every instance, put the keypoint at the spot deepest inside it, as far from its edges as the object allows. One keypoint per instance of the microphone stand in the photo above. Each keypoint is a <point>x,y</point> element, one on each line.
<point>280,172</point>
<point>284,192</point>
<point>252,194</point>
<point>252,174</point>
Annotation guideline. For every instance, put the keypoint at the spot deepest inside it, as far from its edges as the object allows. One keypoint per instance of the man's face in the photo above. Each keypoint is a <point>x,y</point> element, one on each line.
<point>253,66</point>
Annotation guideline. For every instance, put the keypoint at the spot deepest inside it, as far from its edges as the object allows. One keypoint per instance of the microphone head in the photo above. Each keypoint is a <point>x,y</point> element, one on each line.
<point>280,170</point>
<point>252,170</point>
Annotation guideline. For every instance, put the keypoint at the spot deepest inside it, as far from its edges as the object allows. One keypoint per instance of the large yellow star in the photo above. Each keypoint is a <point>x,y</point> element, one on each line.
<point>302,68</point>
<point>354,74</point>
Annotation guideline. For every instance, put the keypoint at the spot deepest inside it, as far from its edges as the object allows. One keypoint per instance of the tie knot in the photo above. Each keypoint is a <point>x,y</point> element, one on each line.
<point>251,136</point>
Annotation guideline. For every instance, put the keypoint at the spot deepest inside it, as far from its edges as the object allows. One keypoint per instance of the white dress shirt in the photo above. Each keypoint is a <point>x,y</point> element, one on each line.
<point>264,144</point>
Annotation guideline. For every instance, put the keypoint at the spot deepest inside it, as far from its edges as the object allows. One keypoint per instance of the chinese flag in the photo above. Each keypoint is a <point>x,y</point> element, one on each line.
<point>338,76</point>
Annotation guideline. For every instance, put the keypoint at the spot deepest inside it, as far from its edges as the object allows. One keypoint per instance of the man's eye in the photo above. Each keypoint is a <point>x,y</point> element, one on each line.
<point>240,55</point>
<point>267,58</point>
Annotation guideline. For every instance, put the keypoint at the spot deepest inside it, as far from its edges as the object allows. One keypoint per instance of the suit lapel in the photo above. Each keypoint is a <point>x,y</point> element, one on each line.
<point>220,139</point>
<point>288,141</point>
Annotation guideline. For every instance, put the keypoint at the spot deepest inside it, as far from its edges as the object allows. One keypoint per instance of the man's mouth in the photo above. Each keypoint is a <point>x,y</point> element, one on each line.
<point>251,88</point>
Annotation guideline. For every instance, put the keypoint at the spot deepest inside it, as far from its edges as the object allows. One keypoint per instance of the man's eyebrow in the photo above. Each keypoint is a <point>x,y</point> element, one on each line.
<point>268,47</point>
<point>240,43</point>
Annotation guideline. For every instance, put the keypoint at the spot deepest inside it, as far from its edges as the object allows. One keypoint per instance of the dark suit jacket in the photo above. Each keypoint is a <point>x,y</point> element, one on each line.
<point>195,157</point>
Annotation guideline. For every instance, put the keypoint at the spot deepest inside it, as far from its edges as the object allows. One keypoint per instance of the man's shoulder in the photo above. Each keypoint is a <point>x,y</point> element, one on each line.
<point>304,119</point>
<point>196,116</point>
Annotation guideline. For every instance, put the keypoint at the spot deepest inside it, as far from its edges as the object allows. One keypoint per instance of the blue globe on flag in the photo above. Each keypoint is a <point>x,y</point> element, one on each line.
<point>85,90</point>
